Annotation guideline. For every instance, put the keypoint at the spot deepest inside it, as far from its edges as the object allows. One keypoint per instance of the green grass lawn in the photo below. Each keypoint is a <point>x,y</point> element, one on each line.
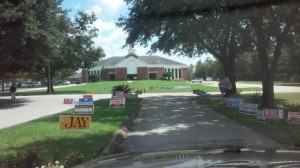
<point>287,84</point>
<point>44,137</point>
<point>287,98</point>
<point>278,130</point>
<point>150,86</point>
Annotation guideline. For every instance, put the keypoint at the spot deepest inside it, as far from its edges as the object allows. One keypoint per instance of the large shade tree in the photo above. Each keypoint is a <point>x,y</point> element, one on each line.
<point>15,31</point>
<point>38,34</point>
<point>190,28</point>
<point>274,26</point>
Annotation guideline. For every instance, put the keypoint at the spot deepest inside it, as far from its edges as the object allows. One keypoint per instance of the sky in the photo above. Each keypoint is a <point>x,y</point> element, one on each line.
<point>110,37</point>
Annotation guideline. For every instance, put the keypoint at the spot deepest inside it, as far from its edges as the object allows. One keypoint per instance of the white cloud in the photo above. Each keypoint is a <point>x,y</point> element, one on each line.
<point>106,8</point>
<point>112,38</point>
<point>104,26</point>
<point>112,43</point>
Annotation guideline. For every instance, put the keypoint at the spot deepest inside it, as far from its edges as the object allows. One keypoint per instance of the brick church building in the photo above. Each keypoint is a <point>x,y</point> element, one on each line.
<point>134,67</point>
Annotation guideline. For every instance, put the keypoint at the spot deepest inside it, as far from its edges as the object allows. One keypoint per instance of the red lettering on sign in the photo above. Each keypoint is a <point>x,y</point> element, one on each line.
<point>88,96</point>
<point>68,101</point>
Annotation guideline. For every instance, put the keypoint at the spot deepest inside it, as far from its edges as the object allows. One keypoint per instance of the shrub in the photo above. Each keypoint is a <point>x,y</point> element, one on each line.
<point>31,159</point>
<point>167,75</point>
<point>94,77</point>
<point>123,88</point>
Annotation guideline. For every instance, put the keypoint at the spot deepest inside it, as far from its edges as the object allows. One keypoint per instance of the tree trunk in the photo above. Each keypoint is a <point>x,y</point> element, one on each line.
<point>268,99</point>
<point>229,72</point>
<point>2,84</point>
<point>52,90</point>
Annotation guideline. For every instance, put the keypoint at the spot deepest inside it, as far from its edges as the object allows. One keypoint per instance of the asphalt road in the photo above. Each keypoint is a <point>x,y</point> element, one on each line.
<point>177,122</point>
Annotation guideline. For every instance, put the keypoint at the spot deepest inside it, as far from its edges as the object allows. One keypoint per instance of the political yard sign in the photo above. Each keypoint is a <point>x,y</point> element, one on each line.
<point>225,85</point>
<point>119,94</point>
<point>205,96</point>
<point>88,96</point>
<point>234,102</point>
<point>117,102</point>
<point>273,113</point>
<point>293,118</point>
<point>69,101</point>
<point>84,108</point>
<point>248,108</point>
<point>73,122</point>
<point>260,117</point>
<point>85,101</point>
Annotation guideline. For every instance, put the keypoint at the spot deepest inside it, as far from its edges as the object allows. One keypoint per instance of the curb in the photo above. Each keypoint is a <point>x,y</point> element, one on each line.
<point>117,139</point>
<point>120,135</point>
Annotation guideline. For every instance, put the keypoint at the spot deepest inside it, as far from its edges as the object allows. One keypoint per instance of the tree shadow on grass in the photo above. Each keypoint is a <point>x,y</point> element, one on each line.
<point>54,93</point>
<point>70,92</point>
<point>8,104</point>
<point>67,150</point>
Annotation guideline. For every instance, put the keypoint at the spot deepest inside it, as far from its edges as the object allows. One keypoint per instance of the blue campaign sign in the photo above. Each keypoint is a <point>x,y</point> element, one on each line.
<point>85,100</point>
<point>234,102</point>
<point>205,96</point>
<point>260,117</point>
<point>248,108</point>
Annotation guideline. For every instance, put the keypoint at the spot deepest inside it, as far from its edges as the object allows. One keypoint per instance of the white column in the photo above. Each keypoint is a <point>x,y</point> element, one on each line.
<point>177,73</point>
<point>174,73</point>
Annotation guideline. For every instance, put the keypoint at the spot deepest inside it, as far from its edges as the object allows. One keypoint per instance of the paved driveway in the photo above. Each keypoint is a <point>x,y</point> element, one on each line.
<point>176,122</point>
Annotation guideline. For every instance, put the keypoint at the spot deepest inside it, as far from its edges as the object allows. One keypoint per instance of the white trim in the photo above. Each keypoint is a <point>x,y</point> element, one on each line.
<point>123,63</point>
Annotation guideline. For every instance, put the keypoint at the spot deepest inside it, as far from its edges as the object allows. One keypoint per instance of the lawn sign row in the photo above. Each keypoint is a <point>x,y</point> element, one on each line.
<point>140,91</point>
<point>85,105</point>
<point>251,108</point>
<point>80,121</point>
<point>118,100</point>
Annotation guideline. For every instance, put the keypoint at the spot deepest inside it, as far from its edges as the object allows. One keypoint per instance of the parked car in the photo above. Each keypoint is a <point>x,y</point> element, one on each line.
<point>56,82</point>
<point>197,80</point>
<point>66,83</point>
<point>44,84</point>
<point>37,84</point>
<point>209,79</point>
<point>27,84</point>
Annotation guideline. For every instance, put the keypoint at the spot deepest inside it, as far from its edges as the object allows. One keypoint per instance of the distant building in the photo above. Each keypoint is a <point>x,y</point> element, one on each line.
<point>77,76</point>
<point>134,67</point>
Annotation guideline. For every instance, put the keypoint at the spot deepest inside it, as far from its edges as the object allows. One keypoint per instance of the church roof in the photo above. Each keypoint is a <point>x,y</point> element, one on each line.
<point>152,60</point>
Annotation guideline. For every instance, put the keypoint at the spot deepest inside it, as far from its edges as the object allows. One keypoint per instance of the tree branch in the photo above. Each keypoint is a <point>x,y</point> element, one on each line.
<point>281,37</point>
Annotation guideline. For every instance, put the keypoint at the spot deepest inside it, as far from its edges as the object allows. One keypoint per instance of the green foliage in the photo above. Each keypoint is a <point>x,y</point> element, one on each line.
<point>123,88</point>
<point>167,75</point>
<point>45,35</point>
<point>209,68</point>
<point>30,159</point>
<point>94,77</point>
<point>73,159</point>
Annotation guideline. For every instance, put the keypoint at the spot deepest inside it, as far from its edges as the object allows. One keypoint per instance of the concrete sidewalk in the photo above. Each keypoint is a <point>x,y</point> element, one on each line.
<point>173,122</point>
